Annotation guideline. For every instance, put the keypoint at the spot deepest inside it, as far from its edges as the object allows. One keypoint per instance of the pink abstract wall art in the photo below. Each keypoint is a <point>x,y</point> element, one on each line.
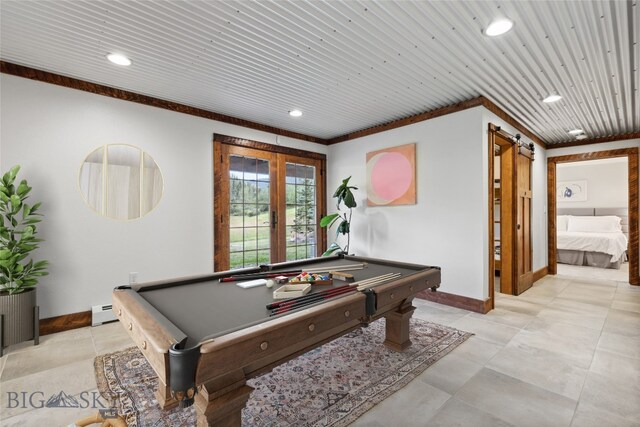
<point>391,176</point>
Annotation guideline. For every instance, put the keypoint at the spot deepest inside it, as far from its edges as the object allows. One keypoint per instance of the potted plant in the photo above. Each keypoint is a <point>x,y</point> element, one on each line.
<point>344,195</point>
<point>18,274</point>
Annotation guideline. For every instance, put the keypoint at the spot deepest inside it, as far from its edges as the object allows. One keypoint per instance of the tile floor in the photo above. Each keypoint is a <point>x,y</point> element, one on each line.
<point>565,353</point>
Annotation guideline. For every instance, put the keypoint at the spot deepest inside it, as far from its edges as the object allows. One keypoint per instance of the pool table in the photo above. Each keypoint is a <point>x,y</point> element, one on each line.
<point>204,338</point>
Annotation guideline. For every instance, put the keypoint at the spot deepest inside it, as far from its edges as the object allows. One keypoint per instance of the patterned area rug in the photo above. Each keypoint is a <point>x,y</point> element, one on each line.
<point>330,386</point>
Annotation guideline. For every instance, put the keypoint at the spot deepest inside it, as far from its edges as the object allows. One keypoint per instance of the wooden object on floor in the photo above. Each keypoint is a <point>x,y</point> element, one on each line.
<point>163,396</point>
<point>219,402</point>
<point>397,327</point>
<point>99,418</point>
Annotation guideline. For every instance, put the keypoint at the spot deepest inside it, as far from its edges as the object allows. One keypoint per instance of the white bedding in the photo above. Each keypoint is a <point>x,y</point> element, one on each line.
<point>613,244</point>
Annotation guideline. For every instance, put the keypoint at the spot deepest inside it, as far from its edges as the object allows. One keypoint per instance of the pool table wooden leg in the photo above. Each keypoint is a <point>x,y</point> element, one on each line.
<point>220,402</point>
<point>397,326</point>
<point>163,395</point>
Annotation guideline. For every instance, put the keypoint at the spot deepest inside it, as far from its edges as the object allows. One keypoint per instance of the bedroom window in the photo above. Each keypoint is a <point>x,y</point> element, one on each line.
<point>267,203</point>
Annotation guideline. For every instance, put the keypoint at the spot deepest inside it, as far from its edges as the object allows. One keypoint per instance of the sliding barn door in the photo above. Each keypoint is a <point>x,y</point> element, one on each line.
<point>516,254</point>
<point>524,258</point>
<point>508,200</point>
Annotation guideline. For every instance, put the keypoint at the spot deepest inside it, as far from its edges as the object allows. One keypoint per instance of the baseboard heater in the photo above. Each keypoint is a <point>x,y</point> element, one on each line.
<point>102,314</point>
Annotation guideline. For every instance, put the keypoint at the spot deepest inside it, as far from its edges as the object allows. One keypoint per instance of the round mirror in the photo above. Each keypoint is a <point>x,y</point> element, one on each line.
<point>121,181</point>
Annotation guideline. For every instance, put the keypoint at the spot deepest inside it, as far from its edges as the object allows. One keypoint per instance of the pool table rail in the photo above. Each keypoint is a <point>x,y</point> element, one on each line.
<point>388,294</point>
<point>260,345</point>
<point>153,333</point>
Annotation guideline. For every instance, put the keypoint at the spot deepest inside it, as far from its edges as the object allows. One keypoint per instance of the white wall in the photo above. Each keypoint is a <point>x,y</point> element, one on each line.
<point>607,182</point>
<point>49,130</point>
<point>447,227</point>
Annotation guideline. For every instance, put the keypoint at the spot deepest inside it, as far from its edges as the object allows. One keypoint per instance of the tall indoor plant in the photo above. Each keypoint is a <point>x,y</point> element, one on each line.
<point>344,195</point>
<point>18,272</point>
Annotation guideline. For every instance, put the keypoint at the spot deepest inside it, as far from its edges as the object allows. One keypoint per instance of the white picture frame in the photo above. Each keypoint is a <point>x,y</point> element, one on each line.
<point>571,191</point>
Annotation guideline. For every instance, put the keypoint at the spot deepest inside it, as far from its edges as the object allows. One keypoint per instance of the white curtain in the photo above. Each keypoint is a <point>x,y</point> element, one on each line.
<point>123,192</point>
<point>91,184</point>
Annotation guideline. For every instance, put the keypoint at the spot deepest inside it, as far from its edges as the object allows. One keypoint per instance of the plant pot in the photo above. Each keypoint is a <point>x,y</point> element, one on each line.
<point>19,318</point>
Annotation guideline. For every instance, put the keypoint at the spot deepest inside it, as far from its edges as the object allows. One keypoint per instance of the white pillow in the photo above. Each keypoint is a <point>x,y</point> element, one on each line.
<point>562,222</point>
<point>595,224</point>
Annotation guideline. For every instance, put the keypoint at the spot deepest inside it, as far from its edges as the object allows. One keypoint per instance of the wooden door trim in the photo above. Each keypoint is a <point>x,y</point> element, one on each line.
<point>222,198</point>
<point>280,149</point>
<point>632,156</point>
<point>491,204</point>
<point>492,141</point>
<point>219,239</point>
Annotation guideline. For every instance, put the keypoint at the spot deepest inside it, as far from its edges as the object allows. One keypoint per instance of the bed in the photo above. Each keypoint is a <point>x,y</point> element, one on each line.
<point>593,237</point>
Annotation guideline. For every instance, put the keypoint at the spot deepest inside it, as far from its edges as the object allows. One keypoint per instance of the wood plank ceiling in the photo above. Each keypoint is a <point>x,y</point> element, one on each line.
<point>348,65</point>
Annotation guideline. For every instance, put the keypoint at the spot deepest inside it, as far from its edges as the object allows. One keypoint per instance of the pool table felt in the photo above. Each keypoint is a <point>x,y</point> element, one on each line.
<point>209,309</point>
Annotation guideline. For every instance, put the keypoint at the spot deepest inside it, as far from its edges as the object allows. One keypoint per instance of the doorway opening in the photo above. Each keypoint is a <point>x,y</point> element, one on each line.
<point>268,201</point>
<point>566,222</point>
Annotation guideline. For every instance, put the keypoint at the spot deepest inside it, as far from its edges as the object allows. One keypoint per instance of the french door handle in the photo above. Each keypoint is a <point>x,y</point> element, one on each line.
<point>274,219</point>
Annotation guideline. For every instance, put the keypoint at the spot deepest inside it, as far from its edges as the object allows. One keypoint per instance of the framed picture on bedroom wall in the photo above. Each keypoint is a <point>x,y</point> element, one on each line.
<point>572,191</point>
<point>391,176</point>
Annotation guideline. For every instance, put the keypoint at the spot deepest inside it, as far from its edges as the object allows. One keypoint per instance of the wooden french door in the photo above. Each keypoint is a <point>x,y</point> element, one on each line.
<point>268,206</point>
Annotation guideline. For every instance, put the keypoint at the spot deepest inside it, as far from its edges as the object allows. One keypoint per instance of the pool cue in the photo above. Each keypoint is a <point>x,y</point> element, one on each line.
<point>378,282</point>
<point>326,291</point>
<point>285,309</point>
<point>266,275</point>
<point>316,296</point>
<point>271,274</point>
<point>337,268</point>
<point>372,279</point>
<point>305,297</point>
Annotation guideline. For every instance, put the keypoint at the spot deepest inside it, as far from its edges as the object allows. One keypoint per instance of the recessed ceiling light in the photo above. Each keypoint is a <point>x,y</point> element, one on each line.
<point>581,136</point>
<point>576,131</point>
<point>119,59</point>
<point>552,98</point>
<point>498,27</point>
<point>295,113</point>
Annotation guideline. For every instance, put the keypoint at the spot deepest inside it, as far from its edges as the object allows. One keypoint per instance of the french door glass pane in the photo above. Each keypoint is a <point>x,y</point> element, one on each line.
<point>249,227</point>
<point>300,211</point>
